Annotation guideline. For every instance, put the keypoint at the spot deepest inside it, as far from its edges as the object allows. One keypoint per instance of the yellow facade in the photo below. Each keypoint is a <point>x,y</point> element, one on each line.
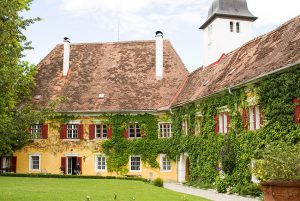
<point>52,149</point>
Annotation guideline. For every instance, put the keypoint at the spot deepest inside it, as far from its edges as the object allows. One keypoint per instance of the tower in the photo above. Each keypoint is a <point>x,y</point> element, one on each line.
<point>229,25</point>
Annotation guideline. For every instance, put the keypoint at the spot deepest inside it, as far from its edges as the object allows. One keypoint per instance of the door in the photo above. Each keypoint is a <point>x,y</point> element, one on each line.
<point>71,164</point>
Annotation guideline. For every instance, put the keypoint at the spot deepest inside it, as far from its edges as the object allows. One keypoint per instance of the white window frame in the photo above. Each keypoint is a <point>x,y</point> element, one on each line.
<point>31,162</point>
<point>185,126</point>
<point>101,131</point>
<point>165,132</point>
<point>135,130</point>
<point>97,162</point>
<point>36,131</point>
<point>164,168</point>
<point>72,128</point>
<point>140,170</point>
<point>223,125</point>
<point>254,117</point>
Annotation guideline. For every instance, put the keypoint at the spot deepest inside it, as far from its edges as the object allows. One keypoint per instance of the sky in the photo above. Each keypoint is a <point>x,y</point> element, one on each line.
<point>85,21</point>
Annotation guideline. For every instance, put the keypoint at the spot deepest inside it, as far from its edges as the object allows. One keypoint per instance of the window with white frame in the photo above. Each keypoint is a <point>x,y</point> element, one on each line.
<point>34,162</point>
<point>237,26</point>
<point>231,26</point>
<point>165,130</point>
<point>254,115</point>
<point>134,130</point>
<point>135,163</point>
<point>165,163</point>
<point>185,127</point>
<point>72,131</point>
<point>223,125</point>
<point>101,131</point>
<point>101,163</point>
<point>36,131</point>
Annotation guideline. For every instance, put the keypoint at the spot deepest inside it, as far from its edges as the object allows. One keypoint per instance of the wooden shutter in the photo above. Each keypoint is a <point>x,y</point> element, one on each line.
<point>216,118</point>
<point>14,164</point>
<point>45,131</point>
<point>80,131</point>
<point>79,160</point>
<point>261,120</point>
<point>63,164</point>
<point>63,131</point>
<point>109,131</point>
<point>245,119</point>
<point>297,111</point>
<point>91,131</point>
<point>228,121</point>
<point>125,133</point>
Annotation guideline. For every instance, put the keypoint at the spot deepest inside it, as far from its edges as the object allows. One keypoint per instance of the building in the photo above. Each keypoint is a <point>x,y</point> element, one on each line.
<point>129,93</point>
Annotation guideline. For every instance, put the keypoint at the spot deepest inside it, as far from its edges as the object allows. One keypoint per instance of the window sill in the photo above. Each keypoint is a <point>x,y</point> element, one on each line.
<point>99,139</point>
<point>165,171</point>
<point>71,140</point>
<point>134,171</point>
<point>101,171</point>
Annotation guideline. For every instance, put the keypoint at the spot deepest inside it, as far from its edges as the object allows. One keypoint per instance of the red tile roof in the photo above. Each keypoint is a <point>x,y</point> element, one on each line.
<point>265,54</point>
<point>124,72</point>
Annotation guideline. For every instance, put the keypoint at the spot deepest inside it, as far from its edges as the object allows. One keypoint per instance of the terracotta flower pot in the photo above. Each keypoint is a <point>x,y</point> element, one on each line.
<point>281,190</point>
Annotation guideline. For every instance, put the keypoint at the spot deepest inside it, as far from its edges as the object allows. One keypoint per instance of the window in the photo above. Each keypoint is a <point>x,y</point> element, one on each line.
<point>101,131</point>
<point>134,130</point>
<point>101,163</point>
<point>185,127</point>
<point>34,162</point>
<point>231,26</point>
<point>36,131</point>
<point>237,27</point>
<point>72,131</point>
<point>254,115</point>
<point>223,122</point>
<point>165,163</point>
<point>165,130</point>
<point>135,164</point>
<point>198,123</point>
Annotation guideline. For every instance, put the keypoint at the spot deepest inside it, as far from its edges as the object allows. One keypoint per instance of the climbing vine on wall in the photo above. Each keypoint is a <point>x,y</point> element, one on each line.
<point>214,155</point>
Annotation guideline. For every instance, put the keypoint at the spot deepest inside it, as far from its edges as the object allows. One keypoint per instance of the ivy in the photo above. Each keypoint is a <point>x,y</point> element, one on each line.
<point>213,155</point>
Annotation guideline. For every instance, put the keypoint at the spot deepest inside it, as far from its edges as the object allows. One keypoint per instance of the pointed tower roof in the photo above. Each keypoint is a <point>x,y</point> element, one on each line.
<point>228,8</point>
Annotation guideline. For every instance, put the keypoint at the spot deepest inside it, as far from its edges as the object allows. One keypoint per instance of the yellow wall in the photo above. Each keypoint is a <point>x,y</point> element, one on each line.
<point>52,149</point>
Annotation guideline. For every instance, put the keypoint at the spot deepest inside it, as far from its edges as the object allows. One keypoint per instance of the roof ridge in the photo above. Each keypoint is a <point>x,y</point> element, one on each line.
<point>112,43</point>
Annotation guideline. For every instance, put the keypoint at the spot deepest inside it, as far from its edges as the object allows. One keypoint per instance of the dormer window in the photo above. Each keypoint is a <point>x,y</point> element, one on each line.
<point>237,27</point>
<point>231,26</point>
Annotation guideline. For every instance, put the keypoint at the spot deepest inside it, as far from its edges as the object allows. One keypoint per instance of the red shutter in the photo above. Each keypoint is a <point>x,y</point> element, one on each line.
<point>228,121</point>
<point>245,119</point>
<point>29,129</point>
<point>14,164</point>
<point>125,133</point>
<point>109,131</point>
<point>297,111</point>
<point>63,164</point>
<point>261,120</point>
<point>91,131</point>
<point>63,131</point>
<point>45,131</point>
<point>216,117</point>
<point>80,131</point>
<point>1,162</point>
<point>79,160</point>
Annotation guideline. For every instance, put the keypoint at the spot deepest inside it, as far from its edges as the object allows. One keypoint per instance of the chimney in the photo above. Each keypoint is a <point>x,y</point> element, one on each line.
<point>159,41</point>
<point>66,64</point>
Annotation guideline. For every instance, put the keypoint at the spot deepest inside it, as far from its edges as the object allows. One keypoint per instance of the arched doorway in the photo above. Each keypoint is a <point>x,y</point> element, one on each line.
<point>184,168</point>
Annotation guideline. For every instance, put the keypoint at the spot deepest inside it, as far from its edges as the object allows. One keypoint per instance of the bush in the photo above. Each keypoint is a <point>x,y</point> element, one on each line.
<point>158,182</point>
<point>222,185</point>
<point>280,162</point>
<point>248,189</point>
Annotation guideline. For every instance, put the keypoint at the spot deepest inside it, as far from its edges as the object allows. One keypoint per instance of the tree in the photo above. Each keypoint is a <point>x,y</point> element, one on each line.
<point>16,77</point>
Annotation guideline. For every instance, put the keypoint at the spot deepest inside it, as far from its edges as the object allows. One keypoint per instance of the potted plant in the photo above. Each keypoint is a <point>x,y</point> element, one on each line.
<point>278,169</point>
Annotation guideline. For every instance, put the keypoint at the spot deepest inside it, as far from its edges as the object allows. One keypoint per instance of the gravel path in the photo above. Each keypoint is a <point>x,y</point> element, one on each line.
<point>209,194</point>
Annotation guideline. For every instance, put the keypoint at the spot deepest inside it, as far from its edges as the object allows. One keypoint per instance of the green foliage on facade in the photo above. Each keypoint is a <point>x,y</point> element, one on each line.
<point>215,158</point>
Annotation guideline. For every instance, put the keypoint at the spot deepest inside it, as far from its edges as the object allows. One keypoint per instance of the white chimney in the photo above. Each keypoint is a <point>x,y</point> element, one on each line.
<point>159,54</point>
<point>66,64</point>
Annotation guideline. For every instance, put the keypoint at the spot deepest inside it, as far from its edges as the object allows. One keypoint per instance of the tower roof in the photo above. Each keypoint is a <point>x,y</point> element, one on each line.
<point>228,8</point>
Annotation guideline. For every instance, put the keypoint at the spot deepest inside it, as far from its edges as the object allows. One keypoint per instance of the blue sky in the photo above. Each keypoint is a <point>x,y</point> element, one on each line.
<point>97,21</point>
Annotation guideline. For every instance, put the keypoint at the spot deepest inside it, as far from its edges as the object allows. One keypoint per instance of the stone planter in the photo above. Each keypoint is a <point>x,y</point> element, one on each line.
<point>281,190</point>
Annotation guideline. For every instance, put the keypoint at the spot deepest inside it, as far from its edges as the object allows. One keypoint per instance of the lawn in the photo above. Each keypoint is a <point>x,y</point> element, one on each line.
<point>43,189</point>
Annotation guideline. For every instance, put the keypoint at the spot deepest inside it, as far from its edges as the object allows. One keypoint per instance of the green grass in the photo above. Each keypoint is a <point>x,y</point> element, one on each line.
<point>43,189</point>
